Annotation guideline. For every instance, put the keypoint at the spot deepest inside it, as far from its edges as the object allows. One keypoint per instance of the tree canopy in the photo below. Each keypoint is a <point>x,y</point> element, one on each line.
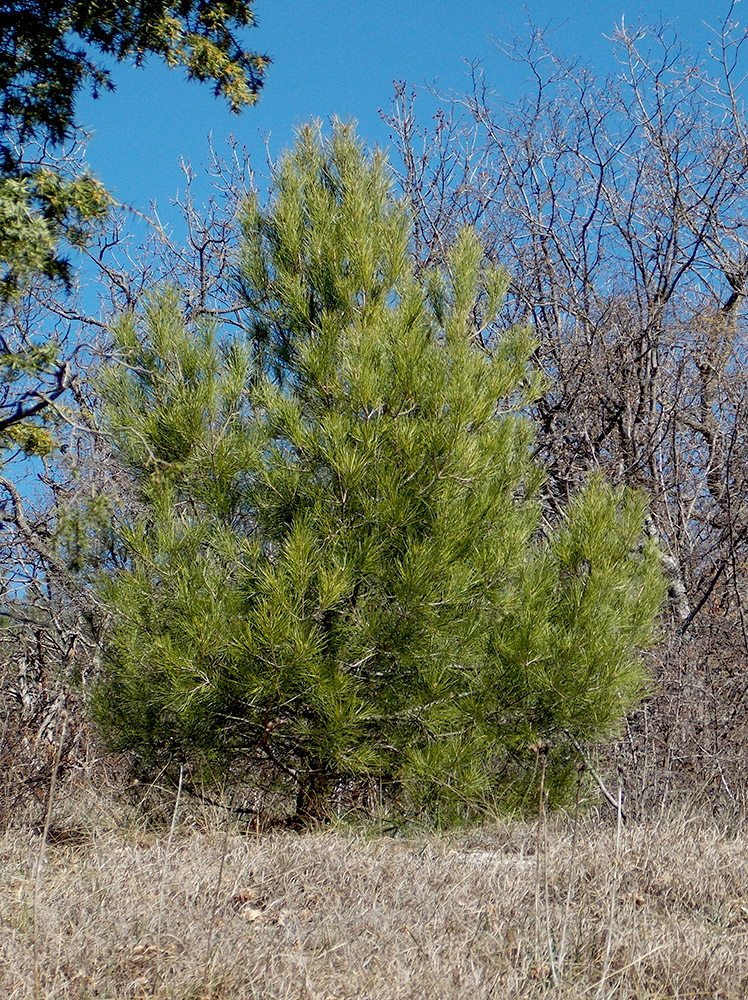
<point>49,54</point>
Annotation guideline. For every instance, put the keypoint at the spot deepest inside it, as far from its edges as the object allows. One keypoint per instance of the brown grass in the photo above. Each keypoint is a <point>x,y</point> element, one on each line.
<point>661,911</point>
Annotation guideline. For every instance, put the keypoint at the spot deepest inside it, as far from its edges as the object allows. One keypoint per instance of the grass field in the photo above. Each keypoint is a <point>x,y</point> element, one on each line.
<point>101,908</point>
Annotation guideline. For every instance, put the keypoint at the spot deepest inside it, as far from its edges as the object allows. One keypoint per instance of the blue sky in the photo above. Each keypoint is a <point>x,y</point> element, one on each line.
<point>340,57</point>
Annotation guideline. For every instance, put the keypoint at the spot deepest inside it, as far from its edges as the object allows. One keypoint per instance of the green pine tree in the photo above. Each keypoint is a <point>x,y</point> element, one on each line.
<point>341,568</point>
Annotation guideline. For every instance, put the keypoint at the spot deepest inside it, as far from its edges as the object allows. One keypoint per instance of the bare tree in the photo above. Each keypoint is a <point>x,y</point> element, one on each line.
<point>619,207</point>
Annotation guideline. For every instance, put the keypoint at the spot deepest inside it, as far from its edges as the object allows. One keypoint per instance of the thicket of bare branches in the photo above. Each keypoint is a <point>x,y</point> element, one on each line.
<point>619,206</point>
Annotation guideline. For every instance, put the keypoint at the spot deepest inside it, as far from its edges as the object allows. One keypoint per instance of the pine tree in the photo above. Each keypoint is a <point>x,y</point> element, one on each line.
<point>343,571</point>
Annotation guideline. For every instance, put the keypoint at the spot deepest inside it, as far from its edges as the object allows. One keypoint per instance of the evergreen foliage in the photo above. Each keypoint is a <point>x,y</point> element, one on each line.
<point>342,572</point>
<point>49,52</point>
<point>49,203</point>
<point>38,212</point>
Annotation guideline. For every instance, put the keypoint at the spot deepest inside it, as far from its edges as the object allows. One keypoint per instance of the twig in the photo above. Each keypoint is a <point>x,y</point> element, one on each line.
<point>613,894</point>
<point>570,886</point>
<point>616,803</point>
<point>164,868</point>
<point>43,845</point>
<point>542,849</point>
<point>214,908</point>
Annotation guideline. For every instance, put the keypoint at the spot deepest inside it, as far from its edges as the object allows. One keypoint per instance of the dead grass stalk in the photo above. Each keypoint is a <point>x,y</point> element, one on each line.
<point>42,848</point>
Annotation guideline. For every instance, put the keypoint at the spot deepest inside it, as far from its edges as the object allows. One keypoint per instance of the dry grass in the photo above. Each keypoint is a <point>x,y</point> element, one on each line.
<point>337,915</point>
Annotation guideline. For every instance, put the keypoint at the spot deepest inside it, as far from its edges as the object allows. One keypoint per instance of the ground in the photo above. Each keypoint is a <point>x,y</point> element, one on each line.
<point>112,908</point>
